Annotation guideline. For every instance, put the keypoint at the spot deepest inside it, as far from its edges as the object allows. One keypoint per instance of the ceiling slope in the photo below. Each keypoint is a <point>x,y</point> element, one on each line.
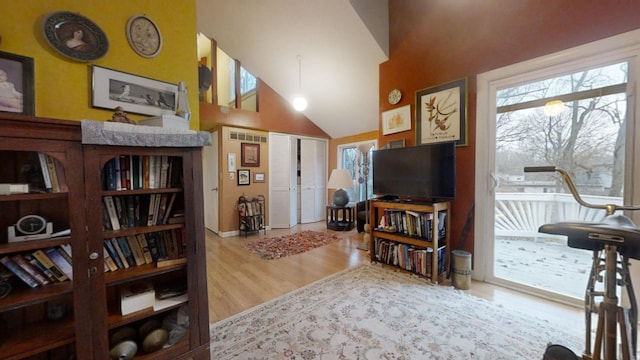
<point>340,50</point>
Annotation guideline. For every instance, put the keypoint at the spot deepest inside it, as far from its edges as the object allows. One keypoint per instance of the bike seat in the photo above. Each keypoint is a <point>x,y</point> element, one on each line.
<point>616,230</point>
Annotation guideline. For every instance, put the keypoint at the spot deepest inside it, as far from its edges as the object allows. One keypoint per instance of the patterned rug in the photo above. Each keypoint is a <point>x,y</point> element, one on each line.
<point>369,312</point>
<point>279,247</point>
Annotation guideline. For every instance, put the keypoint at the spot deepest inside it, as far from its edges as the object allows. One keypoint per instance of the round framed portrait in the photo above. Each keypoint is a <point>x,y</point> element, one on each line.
<point>144,36</point>
<point>75,36</point>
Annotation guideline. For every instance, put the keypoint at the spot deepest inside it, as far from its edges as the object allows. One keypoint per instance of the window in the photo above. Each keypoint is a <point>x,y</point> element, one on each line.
<point>349,158</point>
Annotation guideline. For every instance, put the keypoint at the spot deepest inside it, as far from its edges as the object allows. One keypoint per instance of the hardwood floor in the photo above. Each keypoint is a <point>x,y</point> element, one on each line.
<point>238,279</point>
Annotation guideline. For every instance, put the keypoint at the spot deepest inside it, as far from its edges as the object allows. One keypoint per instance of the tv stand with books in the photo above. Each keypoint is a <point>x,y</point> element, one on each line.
<point>418,231</point>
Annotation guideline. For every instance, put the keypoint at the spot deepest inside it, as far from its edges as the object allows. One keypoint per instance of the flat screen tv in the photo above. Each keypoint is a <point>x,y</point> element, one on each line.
<point>418,172</point>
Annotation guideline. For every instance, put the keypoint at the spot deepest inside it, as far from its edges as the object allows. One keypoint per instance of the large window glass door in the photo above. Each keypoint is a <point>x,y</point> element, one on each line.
<point>573,115</point>
<point>574,121</point>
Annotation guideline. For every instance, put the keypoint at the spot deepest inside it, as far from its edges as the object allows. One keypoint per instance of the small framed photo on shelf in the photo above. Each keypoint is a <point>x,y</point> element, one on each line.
<point>441,113</point>
<point>244,177</point>
<point>16,84</point>
<point>250,154</point>
<point>396,120</point>
<point>258,177</point>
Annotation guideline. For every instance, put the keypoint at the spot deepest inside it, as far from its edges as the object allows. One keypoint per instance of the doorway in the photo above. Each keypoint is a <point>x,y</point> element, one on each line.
<point>569,110</point>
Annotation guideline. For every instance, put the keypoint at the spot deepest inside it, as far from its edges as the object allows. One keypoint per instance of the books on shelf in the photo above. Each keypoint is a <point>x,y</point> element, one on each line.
<point>111,211</point>
<point>44,259</point>
<point>19,272</point>
<point>131,172</point>
<point>57,258</point>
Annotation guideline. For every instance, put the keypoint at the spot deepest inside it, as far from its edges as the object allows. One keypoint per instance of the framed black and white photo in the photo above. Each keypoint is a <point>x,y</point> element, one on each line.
<point>16,84</point>
<point>244,177</point>
<point>258,177</point>
<point>135,94</point>
<point>441,113</point>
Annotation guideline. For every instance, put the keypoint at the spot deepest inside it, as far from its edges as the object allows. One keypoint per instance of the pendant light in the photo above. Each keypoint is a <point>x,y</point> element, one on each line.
<point>299,102</point>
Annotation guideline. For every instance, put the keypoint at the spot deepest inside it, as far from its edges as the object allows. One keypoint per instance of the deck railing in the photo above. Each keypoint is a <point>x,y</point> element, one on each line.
<point>520,214</point>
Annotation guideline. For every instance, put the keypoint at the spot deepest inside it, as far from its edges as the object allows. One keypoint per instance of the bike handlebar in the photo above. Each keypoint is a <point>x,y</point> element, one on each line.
<point>609,208</point>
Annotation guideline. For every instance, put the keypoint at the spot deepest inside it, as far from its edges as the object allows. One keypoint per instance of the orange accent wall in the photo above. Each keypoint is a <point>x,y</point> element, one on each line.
<point>275,114</point>
<point>438,41</point>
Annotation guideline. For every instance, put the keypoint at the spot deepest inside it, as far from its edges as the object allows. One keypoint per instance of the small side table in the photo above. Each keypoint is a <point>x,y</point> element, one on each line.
<point>337,222</point>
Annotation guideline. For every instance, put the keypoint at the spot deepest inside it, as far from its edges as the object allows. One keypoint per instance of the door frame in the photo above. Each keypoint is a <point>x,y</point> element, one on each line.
<point>620,47</point>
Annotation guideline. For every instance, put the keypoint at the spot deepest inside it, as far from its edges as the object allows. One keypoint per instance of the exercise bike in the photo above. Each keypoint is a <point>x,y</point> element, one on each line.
<point>614,241</point>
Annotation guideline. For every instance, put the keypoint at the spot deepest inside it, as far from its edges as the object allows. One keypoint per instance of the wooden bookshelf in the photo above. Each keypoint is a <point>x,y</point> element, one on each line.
<point>401,230</point>
<point>90,302</point>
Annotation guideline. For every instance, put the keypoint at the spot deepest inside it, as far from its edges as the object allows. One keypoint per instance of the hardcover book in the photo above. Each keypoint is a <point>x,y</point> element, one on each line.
<point>49,264</point>
<point>19,272</point>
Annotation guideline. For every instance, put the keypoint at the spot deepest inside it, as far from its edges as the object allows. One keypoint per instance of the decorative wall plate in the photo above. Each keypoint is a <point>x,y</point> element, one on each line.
<point>144,36</point>
<point>75,36</point>
<point>395,96</point>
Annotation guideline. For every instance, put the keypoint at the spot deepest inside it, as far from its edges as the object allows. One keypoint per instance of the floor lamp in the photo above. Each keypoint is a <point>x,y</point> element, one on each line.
<point>364,154</point>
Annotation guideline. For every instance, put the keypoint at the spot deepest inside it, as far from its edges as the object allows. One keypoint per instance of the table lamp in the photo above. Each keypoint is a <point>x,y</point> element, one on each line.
<point>340,179</point>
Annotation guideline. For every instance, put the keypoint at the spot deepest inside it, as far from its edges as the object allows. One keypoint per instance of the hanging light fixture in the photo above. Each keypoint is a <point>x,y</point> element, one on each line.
<point>299,102</point>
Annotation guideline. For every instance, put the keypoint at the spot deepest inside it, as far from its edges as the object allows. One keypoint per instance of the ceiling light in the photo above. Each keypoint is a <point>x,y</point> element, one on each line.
<point>299,102</point>
<point>553,107</point>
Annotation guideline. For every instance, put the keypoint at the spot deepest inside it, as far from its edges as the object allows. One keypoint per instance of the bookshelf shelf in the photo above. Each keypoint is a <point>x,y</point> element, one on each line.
<point>407,227</point>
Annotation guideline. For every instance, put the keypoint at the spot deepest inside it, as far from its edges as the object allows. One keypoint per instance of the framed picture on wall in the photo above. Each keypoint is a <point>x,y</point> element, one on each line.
<point>258,177</point>
<point>441,113</point>
<point>16,84</point>
<point>396,120</point>
<point>135,94</point>
<point>244,177</point>
<point>250,154</point>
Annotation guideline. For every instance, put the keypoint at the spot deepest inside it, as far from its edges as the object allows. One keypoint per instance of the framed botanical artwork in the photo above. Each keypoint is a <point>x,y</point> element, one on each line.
<point>250,154</point>
<point>16,84</point>
<point>75,36</point>
<point>258,177</point>
<point>441,113</point>
<point>135,94</point>
<point>244,177</point>
<point>396,120</point>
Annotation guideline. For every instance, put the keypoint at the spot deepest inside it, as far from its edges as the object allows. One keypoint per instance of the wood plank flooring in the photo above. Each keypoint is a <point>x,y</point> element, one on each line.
<point>238,279</point>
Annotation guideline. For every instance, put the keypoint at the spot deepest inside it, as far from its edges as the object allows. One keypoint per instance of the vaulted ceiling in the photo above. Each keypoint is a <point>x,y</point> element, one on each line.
<point>340,42</point>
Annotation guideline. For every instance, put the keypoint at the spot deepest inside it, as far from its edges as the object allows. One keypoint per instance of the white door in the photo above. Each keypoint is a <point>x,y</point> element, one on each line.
<point>210,183</point>
<point>282,175</point>
<point>313,179</point>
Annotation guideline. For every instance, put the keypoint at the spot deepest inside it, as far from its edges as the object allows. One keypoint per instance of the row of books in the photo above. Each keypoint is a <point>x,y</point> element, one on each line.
<point>41,267</point>
<point>413,223</point>
<point>409,257</point>
<point>132,172</point>
<point>162,248</point>
<point>39,173</point>
<point>138,210</point>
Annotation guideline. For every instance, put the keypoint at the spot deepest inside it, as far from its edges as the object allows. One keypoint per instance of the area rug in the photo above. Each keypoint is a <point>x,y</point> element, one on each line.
<point>369,312</point>
<point>279,247</point>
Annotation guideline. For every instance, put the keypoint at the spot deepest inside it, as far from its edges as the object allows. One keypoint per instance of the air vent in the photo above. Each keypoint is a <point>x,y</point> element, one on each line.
<point>245,136</point>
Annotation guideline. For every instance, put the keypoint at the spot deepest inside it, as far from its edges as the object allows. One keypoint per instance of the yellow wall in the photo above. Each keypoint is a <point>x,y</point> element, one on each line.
<point>63,85</point>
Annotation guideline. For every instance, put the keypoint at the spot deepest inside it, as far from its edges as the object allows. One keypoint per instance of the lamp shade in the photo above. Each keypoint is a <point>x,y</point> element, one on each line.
<point>364,147</point>
<point>340,179</point>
